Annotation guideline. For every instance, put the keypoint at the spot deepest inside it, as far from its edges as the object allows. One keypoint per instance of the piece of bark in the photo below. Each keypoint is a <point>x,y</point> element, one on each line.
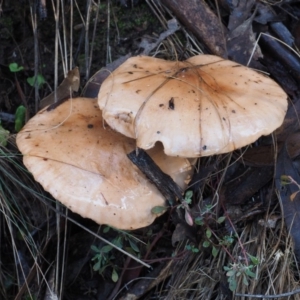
<point>241,40</point>
<point>241,189</point>
<point>260,156</point>
<point>65,90</point>
<point>164,183</point>
<point>92,87</point>
<point>289,196</point>
<point>197,17</point>
<point>280,52</point>
<point>281,74</point>
<point>240,12</point>
<point>291,122</point>
<point>199,177</point>
<point>267,15</point>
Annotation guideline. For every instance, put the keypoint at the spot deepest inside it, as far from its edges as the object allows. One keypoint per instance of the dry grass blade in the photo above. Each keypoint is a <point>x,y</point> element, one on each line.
<point>18,195</point>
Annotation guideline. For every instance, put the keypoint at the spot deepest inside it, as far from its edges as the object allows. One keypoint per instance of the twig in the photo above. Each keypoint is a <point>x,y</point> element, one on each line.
<point>162,181</point>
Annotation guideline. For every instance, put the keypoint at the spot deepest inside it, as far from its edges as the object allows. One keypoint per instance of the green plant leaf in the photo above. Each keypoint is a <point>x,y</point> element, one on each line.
<point>14,67</point>
<point>118,241</point>
<point>285,180</point>
<point>40,80</point>
<point>206,244</point>
<point>20,117</point>
<point>232,285</point>
<point>227,240</point>
<point>230,273</point>
<point>106,249</point>
<point>245,280</point>
<point>195,250</point>
<point>134,246</point>
<point>221,219</point>
<point>250,273</point>
<point>254,259</point>
<point>208,233</point>
<point>106,229</point>
<point>97,266</point>
<point>114,276</point>
<point>214,251</point>
<point>192,248</point>
<point>157,210</point>
<point>199,221</point>
<point>95,249</point>
<point>188,195</point>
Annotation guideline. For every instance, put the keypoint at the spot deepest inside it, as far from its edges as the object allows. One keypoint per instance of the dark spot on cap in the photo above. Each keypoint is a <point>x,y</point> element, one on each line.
<point>161,105</point>
<point>90,126</point>
<point>158,132</point>
<point>204,147</point>
<point>233,111</point>
<point>130,72</point>
<point>45,159</point>
<point>171,104</point>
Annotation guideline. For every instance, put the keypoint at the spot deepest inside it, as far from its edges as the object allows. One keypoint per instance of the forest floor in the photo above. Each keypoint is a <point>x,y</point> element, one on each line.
<point>236,236</point>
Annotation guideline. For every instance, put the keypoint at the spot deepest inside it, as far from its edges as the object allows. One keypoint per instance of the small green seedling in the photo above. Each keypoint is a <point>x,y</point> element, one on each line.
<point>188,197</point>
<point>39,79</point>
<point>237,270</point>
<point>104,257</point>
<point>192,248</point>
<point>20,117</point>
<point>185,205</point>
<point>14,67</point>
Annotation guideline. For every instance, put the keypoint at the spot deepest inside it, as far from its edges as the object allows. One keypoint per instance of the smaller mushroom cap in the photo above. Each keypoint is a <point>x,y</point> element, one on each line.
<point>84,165</point>
<point>202,106</point>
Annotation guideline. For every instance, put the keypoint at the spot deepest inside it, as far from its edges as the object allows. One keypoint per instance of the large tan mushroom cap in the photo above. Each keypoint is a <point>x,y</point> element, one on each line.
<point>202,106</point>
<point>85,166</point>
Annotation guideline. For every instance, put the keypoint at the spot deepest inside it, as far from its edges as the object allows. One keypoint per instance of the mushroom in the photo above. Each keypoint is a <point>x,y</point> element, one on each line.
<point>84,165</point>
<point>202,106</point>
